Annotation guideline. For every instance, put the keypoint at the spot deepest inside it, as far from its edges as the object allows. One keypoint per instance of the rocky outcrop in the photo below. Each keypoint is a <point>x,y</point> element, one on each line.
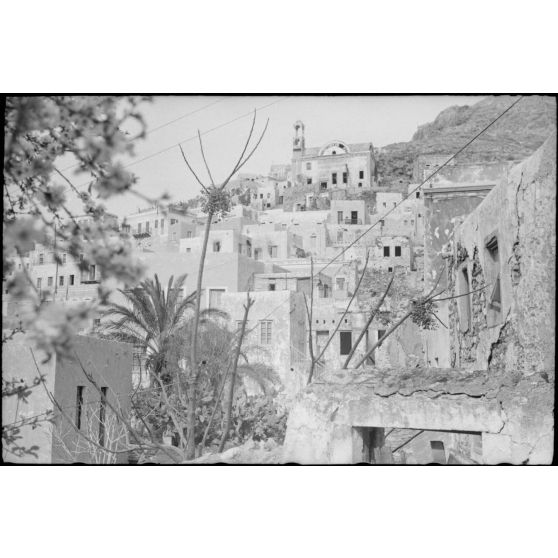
<point>516,136</point>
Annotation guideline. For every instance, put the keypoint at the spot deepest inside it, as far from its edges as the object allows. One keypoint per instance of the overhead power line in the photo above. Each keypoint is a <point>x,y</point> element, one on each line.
<point>420,185</point>
<point>218,127</point>
<point>165,124</point>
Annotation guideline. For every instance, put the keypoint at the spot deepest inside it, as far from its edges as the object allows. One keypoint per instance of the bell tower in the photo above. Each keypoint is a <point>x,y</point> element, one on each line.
<point>298,139</point>
<point>298,153</point>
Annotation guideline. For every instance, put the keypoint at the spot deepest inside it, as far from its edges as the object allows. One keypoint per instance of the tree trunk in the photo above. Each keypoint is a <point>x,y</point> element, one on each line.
<point>230,397</point>
<point>194,372</point>
<point>370,318</point>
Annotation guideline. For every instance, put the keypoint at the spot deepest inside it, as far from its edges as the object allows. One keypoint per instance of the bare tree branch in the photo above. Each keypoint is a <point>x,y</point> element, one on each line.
<point>192,170</point>
<point>369,321</point>
<point>204,160</point>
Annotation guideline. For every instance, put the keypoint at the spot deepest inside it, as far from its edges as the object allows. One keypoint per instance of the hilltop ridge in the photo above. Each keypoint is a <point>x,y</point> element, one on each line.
<point>513,138</point>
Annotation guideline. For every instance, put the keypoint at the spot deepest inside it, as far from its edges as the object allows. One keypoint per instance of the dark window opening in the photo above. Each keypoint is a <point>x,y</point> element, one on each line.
<point>79,405</point>
<point>102,414</point>
<point>334,178</point>
<point>323,185</point>
<point>361,174</point>
<point>346,342</point>
<point>464,301</point>
<point>417,194</point>
<point>308,181</point>
<point>217,246</point>
<point>398,251</point>
<point>271,287</point>
<point>386,251</point>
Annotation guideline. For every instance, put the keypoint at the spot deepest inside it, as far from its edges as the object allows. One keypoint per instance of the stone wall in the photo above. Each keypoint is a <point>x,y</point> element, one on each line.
<point>521,212</point>
<point>512,415</point>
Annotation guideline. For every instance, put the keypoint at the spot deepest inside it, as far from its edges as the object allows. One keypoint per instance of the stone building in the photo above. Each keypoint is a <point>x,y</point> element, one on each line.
<point>494,402</point>
<point>319,174</point>
<point>80,406</point>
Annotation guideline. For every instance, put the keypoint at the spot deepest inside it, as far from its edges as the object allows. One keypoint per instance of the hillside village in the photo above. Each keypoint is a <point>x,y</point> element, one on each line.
<point>341,257</point>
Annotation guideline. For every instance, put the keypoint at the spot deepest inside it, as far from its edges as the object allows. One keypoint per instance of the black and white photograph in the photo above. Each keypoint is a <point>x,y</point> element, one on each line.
<point>279,279</point>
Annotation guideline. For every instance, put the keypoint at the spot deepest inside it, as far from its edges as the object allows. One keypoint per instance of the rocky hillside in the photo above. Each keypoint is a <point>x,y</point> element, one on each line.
<point>515,136</point>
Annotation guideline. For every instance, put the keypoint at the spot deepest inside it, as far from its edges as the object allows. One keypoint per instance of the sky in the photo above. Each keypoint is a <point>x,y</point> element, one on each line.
<point>175,119</point>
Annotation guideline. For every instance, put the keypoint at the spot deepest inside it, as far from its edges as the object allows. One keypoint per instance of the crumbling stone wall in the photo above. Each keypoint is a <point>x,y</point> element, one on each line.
<point>512,413</point>
<point>521,210</point>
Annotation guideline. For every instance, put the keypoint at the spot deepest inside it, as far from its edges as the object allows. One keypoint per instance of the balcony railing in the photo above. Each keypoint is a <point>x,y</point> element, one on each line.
<point>351,221</point>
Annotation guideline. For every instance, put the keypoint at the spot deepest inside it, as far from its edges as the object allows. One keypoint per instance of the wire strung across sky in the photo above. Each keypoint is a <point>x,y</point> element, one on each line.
<point>192,138</point>
<point>420,185</point>
<point>164,125</point>
<point>411,192</point>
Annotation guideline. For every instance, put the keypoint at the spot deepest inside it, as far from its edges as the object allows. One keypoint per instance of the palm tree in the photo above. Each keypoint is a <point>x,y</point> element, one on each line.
<point>150,319</point>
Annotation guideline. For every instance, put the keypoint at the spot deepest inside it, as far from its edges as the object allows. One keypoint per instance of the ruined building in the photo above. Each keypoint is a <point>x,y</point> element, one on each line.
<point>493,403</point>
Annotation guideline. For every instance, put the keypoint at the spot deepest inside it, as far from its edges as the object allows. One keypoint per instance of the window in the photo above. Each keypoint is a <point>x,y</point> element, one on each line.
<point>97,322</point>
<point>72,279</point>
<point>345,342</point>
<point>268,195</point>
<point>261,196</point>
<point>41,259</point>
<point>361,174</point>
<point>64,258</point>
<point>360,184</point>
<point>398,251</point>
<point>273,251</point>
<point>339,236</point>
<point>308,181</point>
<point>280,200</point>
<point>139,228</point>
<point>156,223</point>
<point>384,204</point>
<point>49,281</point>
<point>189,234</point>
<point>339,217</point>
<point>265,332</point>
<point>394,204</point>
<point>386,251</point>
<point>39,282</point>
<point>61,281</point>
<point>216,246</point>
<point>308,166</point>
<point>215,297</point>
<point>334,178</point>
<point>464,302</point>
<point>323,185</point>
<point>417,194</point>
<point>326,291</point>
<point>102,414</point>
<point>492,267</point>
<point>162,224</point>
<point>344,178</point>
<point>79,405</point>
<point>381,333</point>
<point>271,286</point>
<point>188,250</point>
<point>340,283</point>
